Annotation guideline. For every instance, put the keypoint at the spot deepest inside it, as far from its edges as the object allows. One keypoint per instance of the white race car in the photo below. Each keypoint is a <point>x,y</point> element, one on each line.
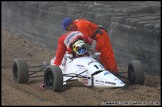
<point>85,69</point>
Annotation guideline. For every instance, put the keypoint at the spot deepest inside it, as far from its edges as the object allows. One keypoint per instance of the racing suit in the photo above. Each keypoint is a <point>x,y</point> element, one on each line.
<point>103,44</point>
<point>64,44</point>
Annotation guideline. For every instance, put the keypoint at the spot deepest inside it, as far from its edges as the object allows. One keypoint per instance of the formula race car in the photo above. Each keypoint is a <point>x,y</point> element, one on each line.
<point>85,69</point>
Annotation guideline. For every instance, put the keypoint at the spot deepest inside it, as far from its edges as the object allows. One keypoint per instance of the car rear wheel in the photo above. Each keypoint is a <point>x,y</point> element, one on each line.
<point>135,72</point>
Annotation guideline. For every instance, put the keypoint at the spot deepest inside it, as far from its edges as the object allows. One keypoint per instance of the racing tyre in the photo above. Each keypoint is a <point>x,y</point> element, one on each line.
<point>135,72</point>
<point>53,78</point>
<point>20,71</point>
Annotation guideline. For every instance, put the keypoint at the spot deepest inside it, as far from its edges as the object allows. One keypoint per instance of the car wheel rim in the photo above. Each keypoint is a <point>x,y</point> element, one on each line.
<point>15,72</point>
<point>131,74</point>
<point>49,79</point>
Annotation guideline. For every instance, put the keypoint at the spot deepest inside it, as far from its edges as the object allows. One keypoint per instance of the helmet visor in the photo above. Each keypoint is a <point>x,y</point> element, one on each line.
<point>81,50</point>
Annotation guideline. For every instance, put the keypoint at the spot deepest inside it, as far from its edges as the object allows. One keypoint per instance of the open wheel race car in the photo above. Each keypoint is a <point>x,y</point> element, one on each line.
<point>85,69</point>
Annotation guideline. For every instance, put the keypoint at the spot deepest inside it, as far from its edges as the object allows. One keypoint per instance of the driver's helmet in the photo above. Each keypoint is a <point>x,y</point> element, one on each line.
<point>79,47</point>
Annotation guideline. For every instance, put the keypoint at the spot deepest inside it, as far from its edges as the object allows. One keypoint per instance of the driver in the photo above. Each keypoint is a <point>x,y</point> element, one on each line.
<point>74,43</point>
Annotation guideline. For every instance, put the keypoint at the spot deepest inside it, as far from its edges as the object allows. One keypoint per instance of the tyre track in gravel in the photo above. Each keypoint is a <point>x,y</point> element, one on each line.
<point>31,94</point>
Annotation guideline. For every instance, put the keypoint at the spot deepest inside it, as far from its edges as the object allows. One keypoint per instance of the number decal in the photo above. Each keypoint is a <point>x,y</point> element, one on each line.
<point>99,66</point>
<point>96,66</point>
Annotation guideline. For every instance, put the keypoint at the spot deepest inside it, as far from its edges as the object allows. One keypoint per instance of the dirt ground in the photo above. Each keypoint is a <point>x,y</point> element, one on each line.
<point>31,94</point>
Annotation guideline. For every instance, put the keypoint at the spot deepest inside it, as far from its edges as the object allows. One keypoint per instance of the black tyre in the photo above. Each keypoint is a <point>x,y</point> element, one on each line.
<point>135,72</point>
<point>53,78</point>
<point>20,71</point>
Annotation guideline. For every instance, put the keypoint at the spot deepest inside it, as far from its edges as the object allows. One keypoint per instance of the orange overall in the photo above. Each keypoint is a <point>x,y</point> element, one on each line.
<point>103,43</point>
